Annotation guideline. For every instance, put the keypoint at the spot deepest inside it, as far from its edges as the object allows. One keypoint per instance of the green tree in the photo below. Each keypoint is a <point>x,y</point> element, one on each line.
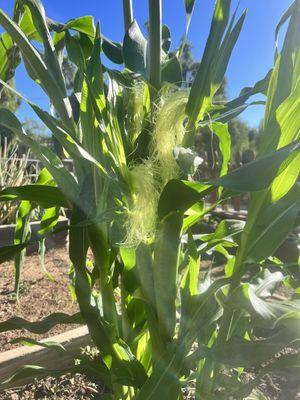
<point>242,136</point>
<point>69,71</point>
<point>12,102</point>
<point>189,66</point>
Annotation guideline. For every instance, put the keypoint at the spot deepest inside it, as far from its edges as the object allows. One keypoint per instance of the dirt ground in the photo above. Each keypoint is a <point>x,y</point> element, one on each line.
<point>39,296</point>
<point>80,387</point>
<point>72,387</point>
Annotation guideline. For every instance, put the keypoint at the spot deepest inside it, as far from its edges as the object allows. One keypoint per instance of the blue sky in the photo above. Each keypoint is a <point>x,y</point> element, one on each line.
<point>252,57</point>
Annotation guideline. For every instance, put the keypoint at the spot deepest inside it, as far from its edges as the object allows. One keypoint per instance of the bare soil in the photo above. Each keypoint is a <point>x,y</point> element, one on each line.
<point>72,387</point>
<point>80,387</point>
<point>39,296</point>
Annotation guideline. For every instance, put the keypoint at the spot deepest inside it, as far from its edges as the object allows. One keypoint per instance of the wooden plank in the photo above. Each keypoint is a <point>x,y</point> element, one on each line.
<point>13,359</point>
<point>53,240</point>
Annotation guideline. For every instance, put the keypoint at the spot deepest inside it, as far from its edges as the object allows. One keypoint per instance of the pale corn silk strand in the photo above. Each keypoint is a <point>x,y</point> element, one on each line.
<point>149,177</point>
<point>135,107</point>
<point>169,132</point>
<point>141,216</point>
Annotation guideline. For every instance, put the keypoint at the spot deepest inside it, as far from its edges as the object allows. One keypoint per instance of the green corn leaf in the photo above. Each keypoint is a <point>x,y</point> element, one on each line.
<point>39,20</point>
<point>135,49</point>
<point>41,254</point>
<point>189,8</point>
<point>221,131</point>
<point>272,225</point>
<point>49,220</point>
<point>195,213</point>
<point>200,94</point>
<point>128,257</point>
<point>99,372</point>
<point>25,341</point>
<point>238,352</point>
<point>45,178</point>
<point>9,56</point>
<point>163,382</point>
<point>190,280</point>
<point>283,81</point>
<point>61,175</point>
<point>203,312</point>
<point>171,72</point>
<point>71,144</point>
<point>266,283</point>
<point>112,50</point>
<point>56,126</point>
<point>22,234</point>
<point>91,131</point>
<point>288,118</point>
<point>260,87</point>
<point>130,370</point>
<point>124,367</point>
<point>28,27</point>
<point>254,176</point>
<point>281,127</point>
<point>166,38</point>
<point>42,326</point>
<point>75,47</point>
<point>77,251</point>
<point>225,52</point>
<point>260,173</point>
<point>227,230</point>
<point>38,68</point>
<point>145,265</point>
<point>46,196</point>
<point>23,373</point>
<point>286,15</point>
<point>9,252</point>
<point>107,127</point>
<point>189,284</point>
<point>255,299</point>
<point>129,274</point>
<point>165,271</point>
<point>127,13</point>
<point>233,108</point>
<point>94,134</point>
<point>83,24</point>
<point>6,45</point>
<point>180,195</point>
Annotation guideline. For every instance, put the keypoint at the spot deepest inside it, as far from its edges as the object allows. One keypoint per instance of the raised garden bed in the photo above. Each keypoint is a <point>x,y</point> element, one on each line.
<point>52,241</point>
<point>39,296</point>
<point>72,341</point>
<point>80,387</point>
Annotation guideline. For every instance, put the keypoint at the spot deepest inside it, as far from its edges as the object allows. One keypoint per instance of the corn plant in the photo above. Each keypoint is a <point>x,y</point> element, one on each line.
<point>157,322</point>
<point>12,173</point>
